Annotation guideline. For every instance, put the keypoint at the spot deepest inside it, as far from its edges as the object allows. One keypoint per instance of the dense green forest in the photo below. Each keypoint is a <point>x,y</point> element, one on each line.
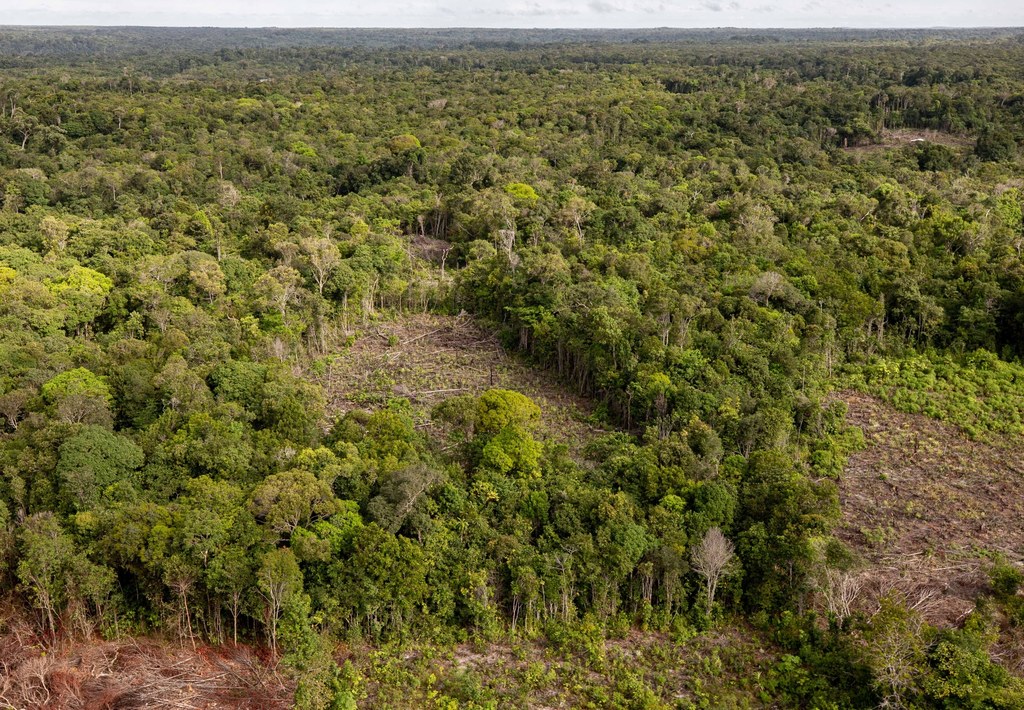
<point>705,235</point>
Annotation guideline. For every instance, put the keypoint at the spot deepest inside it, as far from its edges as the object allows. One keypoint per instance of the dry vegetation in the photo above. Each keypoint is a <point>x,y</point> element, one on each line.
<point>897,138</point>
<point>428,358</point>
<point>925,506</point>
<point>91,674</point>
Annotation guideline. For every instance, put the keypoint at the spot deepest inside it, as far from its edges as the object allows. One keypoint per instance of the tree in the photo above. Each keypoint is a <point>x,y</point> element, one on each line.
<point>995,143</point>
<point>232,573</point>
<point>279,288</point>
<point>279,581</point>
<point>284,501</point>
<point>512,451</point>
<point>840,589</point>
<point>78,396</point>
<point>292,408</point>
<point>400,493</point>
<point>497,409</point>
<point>25,126</point>
<point>93,460</point>
<point>682,240</point>
<point>205,517</point>
<point>205,276</point>
<point>574,213</point>
<point>84,292</point>
<point>89,582</point>
<point>55,233</point>
<point>894,650</point>
<point>322,256</point>
<point>12,405</point>
<point>962,673</point>
<point>711,558</point>
<point>47,554</point>
<point>203,227</point>
<point>781,512</point>
<point>384,581</point>
<point>181,576</point>
<point>217,445</point>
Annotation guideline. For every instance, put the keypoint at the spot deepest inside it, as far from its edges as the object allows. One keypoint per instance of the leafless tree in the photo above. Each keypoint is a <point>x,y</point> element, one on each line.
<point>767,286</point>
<point>711,559</point>
<point>840,590</point>
<point>12,405</point>
<point>323,257</point>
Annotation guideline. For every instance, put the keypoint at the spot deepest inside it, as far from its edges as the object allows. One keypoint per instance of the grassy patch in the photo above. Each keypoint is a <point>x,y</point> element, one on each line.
<point>719,669</point>
<point>979,393</point>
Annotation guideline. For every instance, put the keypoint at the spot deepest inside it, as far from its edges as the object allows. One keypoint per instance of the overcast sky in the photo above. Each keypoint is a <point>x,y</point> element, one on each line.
<point>518,13</point>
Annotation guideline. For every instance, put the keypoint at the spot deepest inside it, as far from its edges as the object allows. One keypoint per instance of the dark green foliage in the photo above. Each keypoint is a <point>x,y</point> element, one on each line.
<point>995,143</point>
<point>705,237</point>
<point>97,464</point>
<point>1006,579</point>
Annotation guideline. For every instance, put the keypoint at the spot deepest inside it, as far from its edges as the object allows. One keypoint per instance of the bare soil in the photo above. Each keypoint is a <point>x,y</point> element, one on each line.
<point>422,358</point>
<point>927,507</point>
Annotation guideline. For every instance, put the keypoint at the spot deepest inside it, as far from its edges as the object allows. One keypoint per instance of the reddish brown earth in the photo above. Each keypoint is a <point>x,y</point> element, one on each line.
<point>423,358</point>
<point>91,674</point>
<point>924,506</point>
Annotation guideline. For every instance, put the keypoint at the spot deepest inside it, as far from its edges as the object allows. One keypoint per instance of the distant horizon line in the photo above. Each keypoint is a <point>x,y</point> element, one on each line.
<point>580,28</point>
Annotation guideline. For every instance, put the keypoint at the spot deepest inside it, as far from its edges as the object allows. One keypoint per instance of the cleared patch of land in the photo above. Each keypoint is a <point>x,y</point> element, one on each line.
<point>899,137</point>
<point>427,358</point>
<point>422,358</point>
<point>926,506</point>
<point>134,673</point>
<point>721,668</point>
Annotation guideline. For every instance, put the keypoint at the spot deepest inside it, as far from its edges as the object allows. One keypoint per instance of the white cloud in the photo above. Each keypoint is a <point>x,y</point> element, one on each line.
<point>522,13</point>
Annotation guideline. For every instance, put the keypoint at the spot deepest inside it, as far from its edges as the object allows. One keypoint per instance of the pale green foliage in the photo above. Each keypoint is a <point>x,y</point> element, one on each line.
<point>522,193</point>
<point>284,501</point>
<point>79,396</point>
<point>84,292</point>
<point>497,409</point>
<point>404,143</point>
<point>76,382</point>
<point>513,451</point>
